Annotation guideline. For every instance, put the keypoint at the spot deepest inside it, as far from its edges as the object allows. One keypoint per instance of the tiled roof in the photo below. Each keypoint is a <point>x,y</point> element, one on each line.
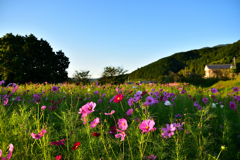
<point>219,66</point>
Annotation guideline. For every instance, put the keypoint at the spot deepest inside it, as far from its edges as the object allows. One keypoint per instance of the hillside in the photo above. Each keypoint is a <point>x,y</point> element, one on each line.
<point>193,60</point>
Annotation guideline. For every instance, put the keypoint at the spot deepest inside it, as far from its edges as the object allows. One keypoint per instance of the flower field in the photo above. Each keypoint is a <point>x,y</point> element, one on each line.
<point>137,121</point>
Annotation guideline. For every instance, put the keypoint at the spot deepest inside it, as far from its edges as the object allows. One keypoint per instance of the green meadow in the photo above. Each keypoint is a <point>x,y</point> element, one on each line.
<point>151,121</point>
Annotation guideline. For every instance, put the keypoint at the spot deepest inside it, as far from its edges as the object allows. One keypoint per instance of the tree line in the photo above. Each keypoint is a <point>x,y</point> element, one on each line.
<point>25,58</point>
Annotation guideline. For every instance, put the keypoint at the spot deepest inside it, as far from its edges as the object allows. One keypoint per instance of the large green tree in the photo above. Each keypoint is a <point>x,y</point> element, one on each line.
<point>25,58</point>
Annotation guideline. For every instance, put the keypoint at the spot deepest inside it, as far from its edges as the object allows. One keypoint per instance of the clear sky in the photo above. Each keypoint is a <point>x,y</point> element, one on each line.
<point>94,34</point>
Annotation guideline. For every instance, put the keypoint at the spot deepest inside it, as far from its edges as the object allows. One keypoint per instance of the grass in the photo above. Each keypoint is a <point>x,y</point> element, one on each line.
<point>208,132</point>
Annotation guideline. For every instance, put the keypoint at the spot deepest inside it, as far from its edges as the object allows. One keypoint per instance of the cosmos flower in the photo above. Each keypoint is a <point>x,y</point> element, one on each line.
<point>235,89</point>
<point>214,90</point>
<point>122,134</point>
<point>147,125</point>
<point>59,157</point>
<point>75,146</point>
<point>118,98</point>
<point>95,134</point>
<point>167,103</point>
<point>150,100</point>
<point>129,112</point>
<point>55,88</point>
<point>169,131</point>
<point>59,142</point>
<point>232,105</point>
<point>131,101</point>
<point>111,113</point>
<point>152,157</point>
<point>39,135</point>
<point>122,124</point>
<point>94,122</point>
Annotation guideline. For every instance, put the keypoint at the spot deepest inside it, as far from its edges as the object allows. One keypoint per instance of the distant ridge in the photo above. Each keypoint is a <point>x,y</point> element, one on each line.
<point>192,61</point>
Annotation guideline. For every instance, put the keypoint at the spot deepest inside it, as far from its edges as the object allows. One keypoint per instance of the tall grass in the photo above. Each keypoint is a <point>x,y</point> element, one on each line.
<point>210,130</point>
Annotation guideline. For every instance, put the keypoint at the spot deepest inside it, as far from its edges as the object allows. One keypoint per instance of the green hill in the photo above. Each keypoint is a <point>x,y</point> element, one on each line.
<point>194,61</point>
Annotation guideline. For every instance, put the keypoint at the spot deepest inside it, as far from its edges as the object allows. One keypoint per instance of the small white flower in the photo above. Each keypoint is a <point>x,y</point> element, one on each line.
<point>221,106</point>
<point>210,95</point>
<point>134,87</point>
<point>167,103</point>
<point>139,92</point>
<point>89,89</point>
<point>213,105</point>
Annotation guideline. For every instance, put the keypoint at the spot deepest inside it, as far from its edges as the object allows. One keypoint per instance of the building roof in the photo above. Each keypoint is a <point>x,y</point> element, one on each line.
<point>219,66</point>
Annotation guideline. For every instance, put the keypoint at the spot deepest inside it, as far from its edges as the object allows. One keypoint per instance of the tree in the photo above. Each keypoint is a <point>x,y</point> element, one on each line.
<point>113,75</point>
<point>24,59</point>
<point>82,76</point>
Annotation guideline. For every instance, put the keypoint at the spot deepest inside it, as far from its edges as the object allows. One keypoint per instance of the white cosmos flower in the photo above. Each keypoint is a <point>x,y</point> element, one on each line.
<point>167,103</point>
<point>213,105</point>
<point>89,89</point>
<point>221,106</point>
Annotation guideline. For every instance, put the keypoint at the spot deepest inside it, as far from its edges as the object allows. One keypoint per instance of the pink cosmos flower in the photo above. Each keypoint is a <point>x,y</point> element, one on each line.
<point>89,107</point>
<point>129,112</point>
<point>43,107</point>
<point>2,82</point>
<point>83,112</point>
<point>111,113</point>
<point>122,134</point>
<point>122,124</point>
<point>11,147</point>
<point>232,105</point>
<point>38,135</point>
<point>94,122</point>
<point>235,89</point>
<point>169,131</point>
<point>59,157</point>
<point>55,88</point>
<point>150,100</point>
<point>5,102</point>
<point>147,125</point>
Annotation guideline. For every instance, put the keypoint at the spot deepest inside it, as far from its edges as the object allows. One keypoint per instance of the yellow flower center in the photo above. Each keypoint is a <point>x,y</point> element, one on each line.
<point>123,124</point>
<point>90,108</point>
<point>147,127</point>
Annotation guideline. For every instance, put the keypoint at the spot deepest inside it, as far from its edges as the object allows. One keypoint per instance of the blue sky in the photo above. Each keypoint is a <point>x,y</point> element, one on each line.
<point>94,34</point>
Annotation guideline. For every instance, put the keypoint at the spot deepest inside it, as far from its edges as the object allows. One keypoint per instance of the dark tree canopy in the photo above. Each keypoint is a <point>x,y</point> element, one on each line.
<point>24,59</point>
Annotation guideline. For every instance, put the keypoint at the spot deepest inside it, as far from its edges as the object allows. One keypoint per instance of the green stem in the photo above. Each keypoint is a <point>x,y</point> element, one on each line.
<point>130,148</point>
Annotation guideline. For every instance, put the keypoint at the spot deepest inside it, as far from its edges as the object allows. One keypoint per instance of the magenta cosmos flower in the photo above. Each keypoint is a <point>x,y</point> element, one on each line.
<point>147,125</point>
<point>205,100</point>
<point>131,101</point>
<point>129,112</point>
<point>122,134</point>
<point>169,131</point>
<point>59,142</point>
<point>235,89</point>
<point>94,122</point>
<point>11,147</point>
<point>39,135</point>
<point>122,124</point>
<point>152,157</point>
<point>5,102</point>
<point>55,88</point>
<point>232,105</point>
<point>214,90</point>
